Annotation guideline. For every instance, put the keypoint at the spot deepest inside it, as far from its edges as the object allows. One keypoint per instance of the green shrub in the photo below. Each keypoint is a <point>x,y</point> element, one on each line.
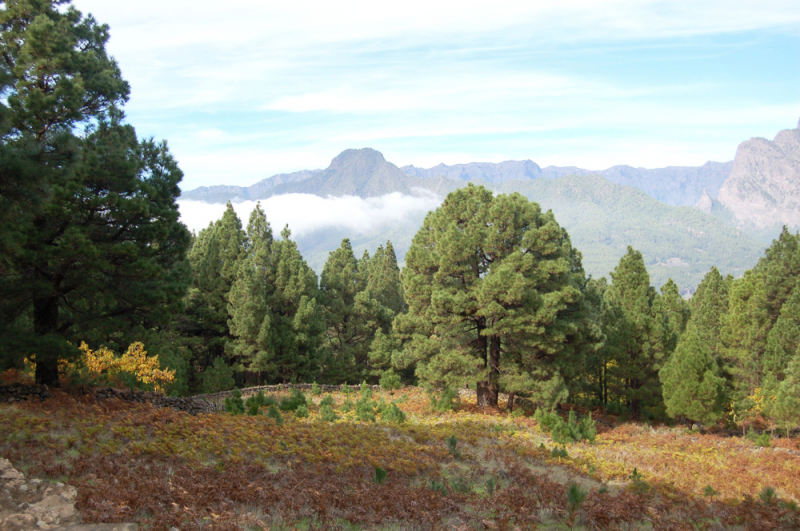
<point>234,404</point>
<point>392,413</point>
<point>365,408</point>
<point>365,390</point>
<point>257,401</point>
<point>315,390</point>
<point>461,485</point>
<point>380,475</point>
<point>347,405</point>
<point>575,497</point>
<point>293,401</point>
<point>446,400</point>
<point>560,453</point>
<point>438,486</point>
<point>326,401</point>
<point>566,432</point>
<point>218,377</point>
<point>326,413</point>
<point>390,381</point>
<point>452,446</point>
<point>638,484</point>
<point>301,412</point>
<point>763,440</point>
<point>274,414</point>
<point>768,495</point>
<point>491,486</point>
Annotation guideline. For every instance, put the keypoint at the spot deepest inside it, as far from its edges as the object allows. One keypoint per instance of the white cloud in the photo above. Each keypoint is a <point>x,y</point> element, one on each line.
<point>305,213</point>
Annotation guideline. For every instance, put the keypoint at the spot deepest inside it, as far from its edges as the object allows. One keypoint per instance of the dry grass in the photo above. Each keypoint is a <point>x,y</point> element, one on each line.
<point>162,468</point>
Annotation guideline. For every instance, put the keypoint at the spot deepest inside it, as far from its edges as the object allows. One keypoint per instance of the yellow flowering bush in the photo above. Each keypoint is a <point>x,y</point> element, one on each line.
<point>134,361</point>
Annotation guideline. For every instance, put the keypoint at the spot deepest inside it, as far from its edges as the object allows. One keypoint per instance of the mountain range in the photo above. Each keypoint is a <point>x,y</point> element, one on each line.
<point>683,219</point>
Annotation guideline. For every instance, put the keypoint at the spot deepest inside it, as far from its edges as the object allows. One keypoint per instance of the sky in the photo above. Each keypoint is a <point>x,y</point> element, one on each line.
<point>246,89</point>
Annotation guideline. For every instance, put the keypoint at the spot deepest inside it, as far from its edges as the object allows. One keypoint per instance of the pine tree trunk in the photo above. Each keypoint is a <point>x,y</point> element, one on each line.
<point>45,322</point>
<point>511,398</point>
<point>489,391</point>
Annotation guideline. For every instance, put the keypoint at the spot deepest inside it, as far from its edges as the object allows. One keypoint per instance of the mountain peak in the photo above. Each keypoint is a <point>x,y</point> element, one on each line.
<point>366,156</point>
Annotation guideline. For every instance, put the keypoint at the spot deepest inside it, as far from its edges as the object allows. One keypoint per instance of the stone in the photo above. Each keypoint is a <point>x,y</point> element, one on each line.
<point>36,504</point>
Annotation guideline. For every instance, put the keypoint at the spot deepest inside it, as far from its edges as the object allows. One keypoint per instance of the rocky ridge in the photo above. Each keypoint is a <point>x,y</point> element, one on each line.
<point>763,189</point>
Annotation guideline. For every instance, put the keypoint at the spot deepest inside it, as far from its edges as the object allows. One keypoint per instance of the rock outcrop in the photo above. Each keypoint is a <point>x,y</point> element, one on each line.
<point>763,189</point>
<point>704,204</point>
<point>31,504</point>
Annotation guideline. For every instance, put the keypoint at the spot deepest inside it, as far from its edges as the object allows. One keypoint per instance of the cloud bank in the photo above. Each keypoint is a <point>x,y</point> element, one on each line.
<point>306,213</point>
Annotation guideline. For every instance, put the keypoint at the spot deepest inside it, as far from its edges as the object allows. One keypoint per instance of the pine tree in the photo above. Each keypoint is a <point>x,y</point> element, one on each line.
<point>215,259</point>
<point>91,243</point>
<point>780,268</point>
<point>296,317</point>
<point>784,338</point>
<point>691,386</point>
<point>673,312</point>
<point>787,400</point>
<point>383,280</point>
<point>708,305</point>
<point>273,308</point>
<point>247,299</point>
<point>351,315</point>
<point>636,341</point>
<point>493,282</point>
<point>743,333</point>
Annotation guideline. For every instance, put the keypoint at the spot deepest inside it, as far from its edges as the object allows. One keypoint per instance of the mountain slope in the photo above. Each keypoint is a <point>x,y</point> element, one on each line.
<point>260,190</point>
<point>603,218</point>
<point>674,185</point>
<point>763,189</point>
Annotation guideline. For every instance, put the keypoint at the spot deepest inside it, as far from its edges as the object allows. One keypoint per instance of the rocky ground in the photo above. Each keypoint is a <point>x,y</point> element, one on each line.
<point>28,504</point>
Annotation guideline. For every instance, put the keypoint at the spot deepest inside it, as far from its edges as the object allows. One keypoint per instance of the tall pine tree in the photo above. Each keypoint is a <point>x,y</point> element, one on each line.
<point>691,385</point>
<point>91,243</point>
<point>214,258</point>
<point>637,338</point>
<point>708,305</point>
<point>496,298</point>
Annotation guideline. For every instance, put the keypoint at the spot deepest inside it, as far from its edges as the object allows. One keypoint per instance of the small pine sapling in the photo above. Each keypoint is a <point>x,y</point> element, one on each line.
<point>445,401</point>
<point>768,495</point>
<point>380,476</point>
<point>638,484</point>
<point>327,400</point>
<point>326,413</point>
<point>575,498</point>
<point>293,401</point>
<point>234,404</point>
<point>275,414</point>
<point>392,413</point>
<point>491,486</point>
<point>301,412</point>
<point>315,390</point>
<point>452,446</point>
<point>390,381</point>
<point>365,409</point>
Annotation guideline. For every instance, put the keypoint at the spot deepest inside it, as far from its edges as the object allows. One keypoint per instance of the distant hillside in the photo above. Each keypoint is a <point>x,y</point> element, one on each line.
<point>603,218</point>
<point>260,190</point>
<point>674,185</point>
<point>359,172</point>
<point>763,190</point>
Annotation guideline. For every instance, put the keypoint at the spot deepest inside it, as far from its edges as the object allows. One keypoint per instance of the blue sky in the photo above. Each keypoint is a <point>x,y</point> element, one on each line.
<point>246,89</point>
